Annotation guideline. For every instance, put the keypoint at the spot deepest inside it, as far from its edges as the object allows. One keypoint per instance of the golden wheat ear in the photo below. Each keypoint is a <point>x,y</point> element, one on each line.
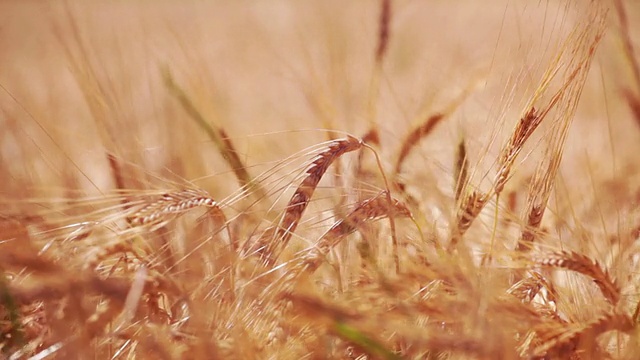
<point>583,265</point>
<point>276,237</point>
<point>171,205</point>
<point>470,207</point>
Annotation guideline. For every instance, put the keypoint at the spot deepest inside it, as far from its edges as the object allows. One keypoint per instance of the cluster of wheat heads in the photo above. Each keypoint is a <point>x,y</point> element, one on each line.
<point>176,273</point>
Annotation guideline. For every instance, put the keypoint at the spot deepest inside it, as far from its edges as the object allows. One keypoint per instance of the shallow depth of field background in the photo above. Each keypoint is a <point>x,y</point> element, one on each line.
<point>278,67</point>
<point>81,79</point>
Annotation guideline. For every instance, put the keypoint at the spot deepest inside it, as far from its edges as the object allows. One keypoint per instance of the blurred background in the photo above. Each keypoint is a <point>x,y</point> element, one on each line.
<point>81,79</point>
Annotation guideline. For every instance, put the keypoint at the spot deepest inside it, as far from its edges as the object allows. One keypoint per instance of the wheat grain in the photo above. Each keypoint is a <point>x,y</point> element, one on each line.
<point>527,289</point>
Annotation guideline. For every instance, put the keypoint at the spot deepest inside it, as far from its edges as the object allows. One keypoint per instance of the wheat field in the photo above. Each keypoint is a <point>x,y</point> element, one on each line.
<point>280,179</point>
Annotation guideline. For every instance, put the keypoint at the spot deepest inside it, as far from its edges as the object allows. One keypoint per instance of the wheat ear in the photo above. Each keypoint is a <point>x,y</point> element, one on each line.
<point>371,209</point>
<point>469,209</point>
<point>583,265</point>
<point>172,204</point>
<point>276,237</point>
<point>581,46</point>
<point>414,137</point>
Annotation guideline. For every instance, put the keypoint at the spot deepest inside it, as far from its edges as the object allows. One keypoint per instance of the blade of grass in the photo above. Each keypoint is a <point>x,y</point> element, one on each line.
<point>367,344</point>
<point>15,336</point>
<point>217,134</point>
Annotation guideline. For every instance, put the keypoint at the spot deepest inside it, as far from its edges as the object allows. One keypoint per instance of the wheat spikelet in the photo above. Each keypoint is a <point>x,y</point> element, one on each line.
<point>116,171</point>
<point>583,265</point>
<point>426,124</point>
<point>276,238</point>
<point>470,208</point>
<point>172,204</point>
<point>374,86</point>
<point>367,210</point>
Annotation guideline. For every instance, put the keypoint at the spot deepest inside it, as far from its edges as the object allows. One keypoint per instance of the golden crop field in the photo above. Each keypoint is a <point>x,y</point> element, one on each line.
<point>282,179</point>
